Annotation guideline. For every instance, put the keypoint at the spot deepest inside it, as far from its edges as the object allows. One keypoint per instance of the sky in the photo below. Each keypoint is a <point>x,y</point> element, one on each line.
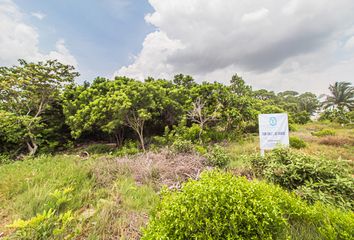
<point>301,45</point>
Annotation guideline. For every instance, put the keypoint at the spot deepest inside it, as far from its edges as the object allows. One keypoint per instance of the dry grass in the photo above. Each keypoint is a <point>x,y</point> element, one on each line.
<point>337,141</point>
<point>162,168</point>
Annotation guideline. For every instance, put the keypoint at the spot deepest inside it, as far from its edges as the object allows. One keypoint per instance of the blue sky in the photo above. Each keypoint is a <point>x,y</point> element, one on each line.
<point>102,35</point>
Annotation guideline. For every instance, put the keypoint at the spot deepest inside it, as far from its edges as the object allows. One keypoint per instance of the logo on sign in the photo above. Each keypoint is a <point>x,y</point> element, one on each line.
<point>272,121</point>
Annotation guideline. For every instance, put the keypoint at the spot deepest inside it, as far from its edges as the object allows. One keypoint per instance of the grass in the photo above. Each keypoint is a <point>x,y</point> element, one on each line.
<point>26,187</point>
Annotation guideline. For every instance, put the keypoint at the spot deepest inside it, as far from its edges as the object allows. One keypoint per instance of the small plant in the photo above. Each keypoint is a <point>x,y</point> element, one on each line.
<point>54,223</point>
<point>99,149</point>
<point>324,132</point>
<point>297,143</point>
<point>218,157</point>
<point>182,146</point>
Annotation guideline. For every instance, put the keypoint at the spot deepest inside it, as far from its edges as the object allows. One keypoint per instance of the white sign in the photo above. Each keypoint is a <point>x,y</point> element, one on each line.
<point>273,130</point>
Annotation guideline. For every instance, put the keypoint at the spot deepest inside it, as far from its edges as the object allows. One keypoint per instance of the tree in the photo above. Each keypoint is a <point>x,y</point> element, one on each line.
<point>239,87</point>
<point>308,102</point>
<point>341,97</point>
<point>28,90</point>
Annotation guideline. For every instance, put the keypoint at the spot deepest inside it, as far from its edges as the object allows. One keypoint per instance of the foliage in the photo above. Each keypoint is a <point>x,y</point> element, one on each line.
<point>182,146</point>
<point>312,177</point>
<point>217,157</point>
<point>324,132</point>
<point>222,206</point>
<point>129,148</point>
<point>54,223</point>
<point>99,148</point>
<point>27,91</point>
<point>301,117</point>
<point>337,115</point>
<point>342,96</point>
<point>297,143</point>
<point>4,158</point>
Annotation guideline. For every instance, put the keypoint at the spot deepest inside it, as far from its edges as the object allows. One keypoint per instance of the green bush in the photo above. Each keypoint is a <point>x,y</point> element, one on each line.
<point>222,206</point>
<point>129,148</point>
<point>297,143</point>
<point>324,132</point>
<point>301,117</point>
<point>4,158</point>
<point>311,177</point>
<point>217,157</point>
<point>99,149</point>
<point>182,146</point>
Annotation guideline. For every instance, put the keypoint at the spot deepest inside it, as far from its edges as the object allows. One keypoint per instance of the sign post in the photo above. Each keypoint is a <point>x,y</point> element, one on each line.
<point>273,131</point>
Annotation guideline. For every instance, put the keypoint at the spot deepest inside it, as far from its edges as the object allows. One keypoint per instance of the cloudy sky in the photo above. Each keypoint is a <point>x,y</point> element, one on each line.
<point>301,45</point>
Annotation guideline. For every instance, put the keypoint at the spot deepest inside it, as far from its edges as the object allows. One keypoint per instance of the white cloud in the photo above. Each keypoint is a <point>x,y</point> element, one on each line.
<point>255,16</point>
<point>350,44</point>
<point>272,43</point>
<point>21,40</point>
<point>38,15</point>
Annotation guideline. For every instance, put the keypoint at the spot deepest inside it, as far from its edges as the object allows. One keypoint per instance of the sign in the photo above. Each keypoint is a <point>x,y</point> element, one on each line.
<point>273,130</point>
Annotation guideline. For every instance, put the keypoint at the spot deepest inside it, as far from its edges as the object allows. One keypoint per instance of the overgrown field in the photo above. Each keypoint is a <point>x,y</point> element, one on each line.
<point>111,195</point>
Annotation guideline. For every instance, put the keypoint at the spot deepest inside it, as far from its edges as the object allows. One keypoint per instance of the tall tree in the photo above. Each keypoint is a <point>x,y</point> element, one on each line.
<point>341,97</point>
<point>27,91</point>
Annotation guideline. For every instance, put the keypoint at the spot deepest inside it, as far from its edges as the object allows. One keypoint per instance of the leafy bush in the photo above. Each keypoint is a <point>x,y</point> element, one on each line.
<point>99,149</point>
<point>4,158</point>
<point>218,157</point>
<point>313,178</point>
<point>297,143</point>
<point>301,117</point>
<point>182,146</point>
<point>54,223</point>
<point>222,206</point>
<point>324,132</point>
<point>129,148</point>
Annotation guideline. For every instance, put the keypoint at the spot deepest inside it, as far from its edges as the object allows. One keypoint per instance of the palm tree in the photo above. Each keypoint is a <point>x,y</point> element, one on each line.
<point>341,97</point>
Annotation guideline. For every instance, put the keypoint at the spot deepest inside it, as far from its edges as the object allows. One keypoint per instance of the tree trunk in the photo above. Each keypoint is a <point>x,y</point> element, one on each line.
<point>32,147</point>
<point>119,137</point>
<point>141,138</point>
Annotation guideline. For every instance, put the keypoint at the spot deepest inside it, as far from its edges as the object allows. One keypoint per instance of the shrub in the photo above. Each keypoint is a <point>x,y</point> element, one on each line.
<point>222,206</point>
<point>297,143</point>
<point>218,157</point>
<point>313,178</point>
<point>129,148</point>
<point>4,158</point>
<point>99,149</point>
<point>182,146</point>
<point>301,117</point>
<point>324,132</point>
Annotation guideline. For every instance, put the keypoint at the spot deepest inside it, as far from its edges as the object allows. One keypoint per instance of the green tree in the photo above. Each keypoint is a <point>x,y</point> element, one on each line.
<point>239,87</point>
<point>341,96</point>
<point>28,90</point>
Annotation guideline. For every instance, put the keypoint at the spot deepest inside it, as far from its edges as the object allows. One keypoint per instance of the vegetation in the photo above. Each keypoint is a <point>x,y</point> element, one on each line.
<point>221,206</point>
<point>91,160</point>
<point>297,143</point>
<point>315,179</point>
